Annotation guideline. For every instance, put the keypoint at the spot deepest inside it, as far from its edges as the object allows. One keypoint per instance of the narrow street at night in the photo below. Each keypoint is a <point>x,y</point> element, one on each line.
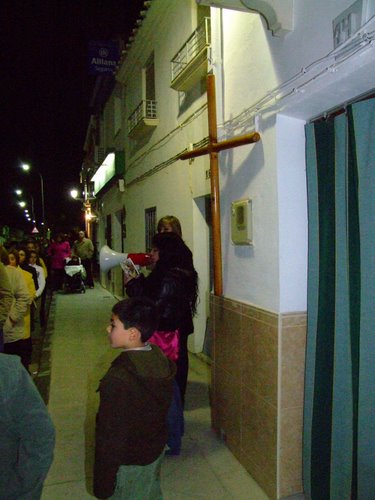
<point>79,356</point>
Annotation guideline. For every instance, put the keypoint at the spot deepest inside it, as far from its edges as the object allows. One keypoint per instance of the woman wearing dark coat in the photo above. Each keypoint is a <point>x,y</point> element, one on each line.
<point>173,286</point>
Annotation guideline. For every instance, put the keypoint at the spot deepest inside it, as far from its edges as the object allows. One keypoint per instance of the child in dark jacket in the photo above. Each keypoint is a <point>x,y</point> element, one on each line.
<point>135,395</point>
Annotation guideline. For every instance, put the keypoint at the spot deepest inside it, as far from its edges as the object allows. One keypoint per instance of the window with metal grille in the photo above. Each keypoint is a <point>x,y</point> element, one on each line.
<point>150,226</point>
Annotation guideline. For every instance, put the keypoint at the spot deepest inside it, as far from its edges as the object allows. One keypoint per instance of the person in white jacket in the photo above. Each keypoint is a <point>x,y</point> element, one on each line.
<point>34,262</point>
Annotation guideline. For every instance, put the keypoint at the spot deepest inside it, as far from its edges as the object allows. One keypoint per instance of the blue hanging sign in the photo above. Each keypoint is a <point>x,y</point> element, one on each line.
<point>103,57</point>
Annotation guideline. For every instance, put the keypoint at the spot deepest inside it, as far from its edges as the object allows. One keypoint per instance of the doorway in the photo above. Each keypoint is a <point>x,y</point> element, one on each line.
<point>203,261</point>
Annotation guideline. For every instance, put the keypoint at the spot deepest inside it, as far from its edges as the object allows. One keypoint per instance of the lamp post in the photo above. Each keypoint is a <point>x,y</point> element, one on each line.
<point>26,167</point>
<point>89,216</point>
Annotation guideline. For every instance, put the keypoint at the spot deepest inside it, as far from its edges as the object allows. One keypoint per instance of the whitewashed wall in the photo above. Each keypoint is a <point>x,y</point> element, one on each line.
<point>272,273</point>
<point>172,190</point>
<point>248,62</point>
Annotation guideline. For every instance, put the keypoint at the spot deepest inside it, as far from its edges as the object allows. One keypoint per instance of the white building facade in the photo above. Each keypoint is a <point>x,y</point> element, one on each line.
<point>275,70</point>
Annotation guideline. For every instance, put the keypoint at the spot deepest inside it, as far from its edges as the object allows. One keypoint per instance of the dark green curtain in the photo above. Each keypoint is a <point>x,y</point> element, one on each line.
<point>339,413</point>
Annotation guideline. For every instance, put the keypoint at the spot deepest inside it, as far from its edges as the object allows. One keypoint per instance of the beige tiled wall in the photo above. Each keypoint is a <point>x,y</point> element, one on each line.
<point>292,361</point>
<point>257,390</point>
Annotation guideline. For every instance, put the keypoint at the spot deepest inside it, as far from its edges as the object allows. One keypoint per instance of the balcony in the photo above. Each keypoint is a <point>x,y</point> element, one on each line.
<point>143,119</point>
<point>189,65</point>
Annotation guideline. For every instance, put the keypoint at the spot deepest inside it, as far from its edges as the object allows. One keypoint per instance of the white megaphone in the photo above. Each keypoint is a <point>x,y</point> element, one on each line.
<point>109,258</point>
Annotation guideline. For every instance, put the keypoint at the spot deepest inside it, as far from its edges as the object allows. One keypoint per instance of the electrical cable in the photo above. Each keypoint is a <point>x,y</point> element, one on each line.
<point>355,44</point>
<point>358,42</point>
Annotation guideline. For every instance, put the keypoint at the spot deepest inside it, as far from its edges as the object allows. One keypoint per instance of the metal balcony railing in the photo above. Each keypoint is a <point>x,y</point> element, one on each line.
<point>199,40</point>
<point>146,110</point>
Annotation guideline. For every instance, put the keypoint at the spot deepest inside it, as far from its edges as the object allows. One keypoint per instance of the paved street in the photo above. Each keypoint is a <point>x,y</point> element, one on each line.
<point>77,347</point>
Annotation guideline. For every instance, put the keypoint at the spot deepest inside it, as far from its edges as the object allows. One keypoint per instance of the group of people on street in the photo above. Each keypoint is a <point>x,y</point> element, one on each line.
<point>31,269</point>
<point>60,250</point>
<point>27,281</point>
<point>140,415</point>
<point>27,432</point>
<point>28,435</point>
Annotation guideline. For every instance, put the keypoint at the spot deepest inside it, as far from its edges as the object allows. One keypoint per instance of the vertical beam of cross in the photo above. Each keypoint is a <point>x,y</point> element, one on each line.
<point>213,149</point>
<point>215,188</point>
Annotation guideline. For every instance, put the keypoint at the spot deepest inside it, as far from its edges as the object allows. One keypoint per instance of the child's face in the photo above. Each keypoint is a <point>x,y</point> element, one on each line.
<point>118,335</point>
<point>154,256</point>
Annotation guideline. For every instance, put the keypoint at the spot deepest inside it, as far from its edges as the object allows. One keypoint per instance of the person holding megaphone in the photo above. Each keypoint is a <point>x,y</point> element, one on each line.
<point>173,286</point>
<point>109,258</point>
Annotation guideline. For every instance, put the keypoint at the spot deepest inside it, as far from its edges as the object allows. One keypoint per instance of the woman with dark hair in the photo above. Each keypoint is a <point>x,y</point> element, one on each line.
<point>23,262</point>
<point>24,257</point>
<point>173,285</point>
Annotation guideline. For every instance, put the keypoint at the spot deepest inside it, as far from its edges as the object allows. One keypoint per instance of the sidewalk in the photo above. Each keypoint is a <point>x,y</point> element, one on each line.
<point>80,355</point>
<point>40,360</point>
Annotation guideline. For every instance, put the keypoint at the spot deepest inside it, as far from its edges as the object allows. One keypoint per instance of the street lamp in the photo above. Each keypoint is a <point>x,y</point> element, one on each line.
<point>26,167</point>
<point>74,194</point>
<point>89,215</point>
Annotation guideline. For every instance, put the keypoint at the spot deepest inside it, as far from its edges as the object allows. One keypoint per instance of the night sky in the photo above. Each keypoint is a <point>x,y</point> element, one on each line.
<point>45,94</point>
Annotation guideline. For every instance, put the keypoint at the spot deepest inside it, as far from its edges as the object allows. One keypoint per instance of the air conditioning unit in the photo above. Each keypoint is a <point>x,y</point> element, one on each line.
<point>99,155</point>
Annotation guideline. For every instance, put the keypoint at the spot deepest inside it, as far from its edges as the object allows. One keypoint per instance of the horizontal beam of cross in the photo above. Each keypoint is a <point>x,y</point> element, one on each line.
<point>215,147</point>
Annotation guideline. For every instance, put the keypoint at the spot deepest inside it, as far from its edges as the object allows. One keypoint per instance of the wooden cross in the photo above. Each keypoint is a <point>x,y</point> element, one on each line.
<point>212,148</point>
